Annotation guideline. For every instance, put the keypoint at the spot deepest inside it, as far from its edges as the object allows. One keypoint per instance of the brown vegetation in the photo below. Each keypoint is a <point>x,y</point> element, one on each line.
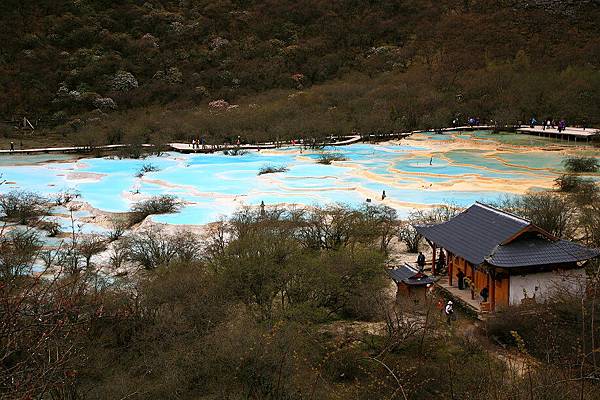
<point>275,71</point>
<point>248,312</point>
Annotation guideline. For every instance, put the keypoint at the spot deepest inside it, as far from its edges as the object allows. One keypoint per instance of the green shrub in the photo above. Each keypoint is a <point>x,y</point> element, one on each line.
<point>569,183</point>
<point>581,164</point>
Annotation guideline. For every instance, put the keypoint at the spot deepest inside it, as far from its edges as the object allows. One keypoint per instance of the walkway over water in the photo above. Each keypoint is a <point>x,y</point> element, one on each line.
<point>67,149</point>
<point>188,148</point>
<point>575,134</point>
<point>334,141</point>
<point>568,134</point>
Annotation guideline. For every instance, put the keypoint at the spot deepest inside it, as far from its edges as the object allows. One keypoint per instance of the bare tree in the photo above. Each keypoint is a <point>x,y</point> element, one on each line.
<point>18,250</point>
<point>22,207</point>
<point>90,245</point>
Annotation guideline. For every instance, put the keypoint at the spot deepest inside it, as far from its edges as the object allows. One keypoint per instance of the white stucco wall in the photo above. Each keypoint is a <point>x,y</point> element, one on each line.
<point>542,284</point>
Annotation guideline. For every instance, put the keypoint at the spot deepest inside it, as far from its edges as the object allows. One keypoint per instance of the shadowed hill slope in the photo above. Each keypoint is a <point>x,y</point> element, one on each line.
<point>498,59</point>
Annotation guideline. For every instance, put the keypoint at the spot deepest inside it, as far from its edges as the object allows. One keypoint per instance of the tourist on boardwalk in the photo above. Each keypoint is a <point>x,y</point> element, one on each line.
<point>532,123</point>
<point>193,143</point>
<point>12,146</point>
<point>203,142</point>
<point>421,261</point>
<point>383,196</point>
<point>449,311</point>
<point>562,125</point>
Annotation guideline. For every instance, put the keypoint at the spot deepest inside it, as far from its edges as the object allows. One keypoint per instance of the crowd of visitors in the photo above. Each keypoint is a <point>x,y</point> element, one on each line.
<point>549,123</point>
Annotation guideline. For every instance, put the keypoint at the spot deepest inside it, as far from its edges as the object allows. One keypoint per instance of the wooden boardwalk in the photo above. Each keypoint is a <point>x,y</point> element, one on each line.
<point>346,140</point>
<point>68,149</point>
<point>574,134</point>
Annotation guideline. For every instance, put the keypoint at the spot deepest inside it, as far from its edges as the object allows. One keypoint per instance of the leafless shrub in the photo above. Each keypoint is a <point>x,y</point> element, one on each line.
<point>235,152</point>
<point>22,206</point>
<point>18,251</point>
<point>272,169</point>
<point>409,235</point>
<point>65,197</point>
<point>118,226</point>
<point>550,211</point>
<point>148,167</point>
<point>90,245</point>
<point>153,248</point>
<point>119,255</point>
<point>52,227</point>
<point>163,204</point>
<point>328,158</point>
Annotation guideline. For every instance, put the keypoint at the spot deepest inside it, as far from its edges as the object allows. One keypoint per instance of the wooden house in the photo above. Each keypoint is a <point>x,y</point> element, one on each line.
<point>511,257</point>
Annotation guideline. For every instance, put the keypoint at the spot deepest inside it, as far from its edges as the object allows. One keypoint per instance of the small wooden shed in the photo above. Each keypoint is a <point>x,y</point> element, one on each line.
<point>410,282</point>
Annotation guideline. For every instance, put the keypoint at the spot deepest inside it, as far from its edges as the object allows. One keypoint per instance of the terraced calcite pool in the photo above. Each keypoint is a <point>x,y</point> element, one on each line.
<point>423,170</point>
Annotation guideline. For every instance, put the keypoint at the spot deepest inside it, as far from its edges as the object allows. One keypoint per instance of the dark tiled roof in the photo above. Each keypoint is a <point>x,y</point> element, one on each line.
<point>409,276</point>
<point>474,233</point>
<point>539,251</point>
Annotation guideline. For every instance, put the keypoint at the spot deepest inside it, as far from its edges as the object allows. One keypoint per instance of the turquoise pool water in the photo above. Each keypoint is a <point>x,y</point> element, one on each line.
<point>424,170</point>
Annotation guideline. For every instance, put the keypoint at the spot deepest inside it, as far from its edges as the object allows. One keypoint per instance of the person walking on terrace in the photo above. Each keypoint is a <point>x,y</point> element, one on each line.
<point>562,125</point>
<point>485,292</point>
<point>441,261</point>
<point>12,146</point>
<point>533,122</point>
<point>421,261</point>
<point>461,280</point>
<point>449,311</point>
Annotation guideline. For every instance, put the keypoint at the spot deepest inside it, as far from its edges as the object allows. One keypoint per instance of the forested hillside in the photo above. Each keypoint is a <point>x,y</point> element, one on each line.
<point>289,65</point>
